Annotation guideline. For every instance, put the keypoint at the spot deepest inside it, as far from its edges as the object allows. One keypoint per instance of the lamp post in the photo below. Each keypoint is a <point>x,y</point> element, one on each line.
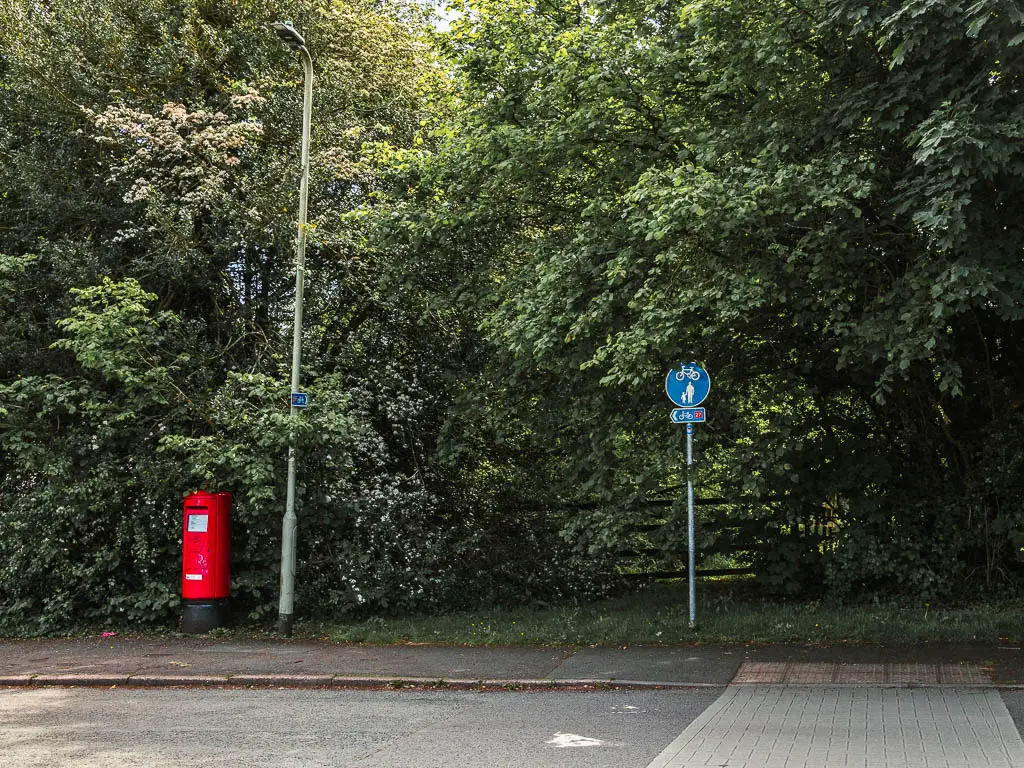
<point>286,606</point>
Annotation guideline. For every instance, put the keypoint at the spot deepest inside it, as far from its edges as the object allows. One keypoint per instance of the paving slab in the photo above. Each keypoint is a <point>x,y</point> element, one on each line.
<point>864,727</point>
<point>197,657</point>
<point>692,665</point>
<point>1006,662</point>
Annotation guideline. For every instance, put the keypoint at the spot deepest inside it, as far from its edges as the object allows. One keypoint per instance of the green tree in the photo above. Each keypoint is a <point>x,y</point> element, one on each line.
<point>813,198</point>
<point>148,198</point>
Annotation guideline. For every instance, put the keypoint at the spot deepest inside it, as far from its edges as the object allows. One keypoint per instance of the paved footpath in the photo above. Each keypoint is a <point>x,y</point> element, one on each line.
<point>828,715</point>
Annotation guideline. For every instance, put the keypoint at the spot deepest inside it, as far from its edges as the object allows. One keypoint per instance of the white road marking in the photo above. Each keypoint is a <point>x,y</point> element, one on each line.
<point>564,740</point>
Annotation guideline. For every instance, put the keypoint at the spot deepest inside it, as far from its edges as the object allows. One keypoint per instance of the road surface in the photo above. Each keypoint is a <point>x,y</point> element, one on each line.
<point>166,728</point>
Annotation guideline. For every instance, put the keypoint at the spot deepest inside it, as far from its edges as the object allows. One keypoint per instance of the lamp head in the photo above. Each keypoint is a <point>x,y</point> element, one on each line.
<point>288,34</point>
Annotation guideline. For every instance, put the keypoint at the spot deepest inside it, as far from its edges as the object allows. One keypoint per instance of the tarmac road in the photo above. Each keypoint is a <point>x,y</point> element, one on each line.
<point>169,727</point>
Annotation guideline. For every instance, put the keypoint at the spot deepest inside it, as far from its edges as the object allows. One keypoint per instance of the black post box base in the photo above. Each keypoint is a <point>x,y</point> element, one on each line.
<point>201,616</point>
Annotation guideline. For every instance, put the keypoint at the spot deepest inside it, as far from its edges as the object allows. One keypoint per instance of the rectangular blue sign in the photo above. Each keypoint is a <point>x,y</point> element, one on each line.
<point>688,415</point>
<point>300,399</point>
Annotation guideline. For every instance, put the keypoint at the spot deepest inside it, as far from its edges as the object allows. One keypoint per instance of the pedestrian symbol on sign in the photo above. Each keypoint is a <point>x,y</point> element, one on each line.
<point>687,385</point>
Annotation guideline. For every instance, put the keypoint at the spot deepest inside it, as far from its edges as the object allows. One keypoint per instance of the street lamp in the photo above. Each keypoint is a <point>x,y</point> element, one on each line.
<point>286,607</point>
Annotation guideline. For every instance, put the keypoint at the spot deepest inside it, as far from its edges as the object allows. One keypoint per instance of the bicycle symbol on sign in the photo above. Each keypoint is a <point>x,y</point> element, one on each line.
<point>688,372</point>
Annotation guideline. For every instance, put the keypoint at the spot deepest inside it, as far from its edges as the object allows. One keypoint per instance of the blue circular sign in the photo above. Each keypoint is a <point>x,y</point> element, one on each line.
<point>687,385</point>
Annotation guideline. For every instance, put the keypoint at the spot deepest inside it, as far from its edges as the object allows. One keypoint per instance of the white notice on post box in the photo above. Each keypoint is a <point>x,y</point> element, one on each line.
<point>198,523</point>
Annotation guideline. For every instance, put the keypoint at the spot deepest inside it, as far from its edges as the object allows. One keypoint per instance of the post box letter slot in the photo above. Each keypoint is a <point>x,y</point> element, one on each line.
<point>198,523</point>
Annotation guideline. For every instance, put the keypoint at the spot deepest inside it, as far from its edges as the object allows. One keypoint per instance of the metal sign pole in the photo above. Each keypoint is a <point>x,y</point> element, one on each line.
<point>691,564</point>
<point>687,386</point>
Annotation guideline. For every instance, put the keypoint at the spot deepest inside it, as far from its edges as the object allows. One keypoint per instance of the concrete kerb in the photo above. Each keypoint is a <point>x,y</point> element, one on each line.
<point>164,681</point>
<point>15,681</point>
<point>78,679</point>
<point>280,681</point>
<point>334,681</point>
<point>510,685</point>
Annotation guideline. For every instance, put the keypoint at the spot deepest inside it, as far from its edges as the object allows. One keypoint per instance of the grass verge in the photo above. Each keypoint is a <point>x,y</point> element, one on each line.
<point>659,614</point>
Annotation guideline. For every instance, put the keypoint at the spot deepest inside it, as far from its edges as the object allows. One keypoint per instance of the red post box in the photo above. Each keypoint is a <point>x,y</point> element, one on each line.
<point>206,561</point>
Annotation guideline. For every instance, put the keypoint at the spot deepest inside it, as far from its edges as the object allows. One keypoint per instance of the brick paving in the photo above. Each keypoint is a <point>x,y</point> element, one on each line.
<point>784,673</point>
<point>777,726</point>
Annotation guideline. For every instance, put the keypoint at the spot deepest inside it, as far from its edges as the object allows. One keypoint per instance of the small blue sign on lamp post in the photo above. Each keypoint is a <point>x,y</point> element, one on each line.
<point>687,386</point>
<point>300,399</point>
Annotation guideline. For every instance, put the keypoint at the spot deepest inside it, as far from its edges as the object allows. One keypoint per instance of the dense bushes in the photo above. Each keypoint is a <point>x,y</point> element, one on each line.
<point>98,465</point>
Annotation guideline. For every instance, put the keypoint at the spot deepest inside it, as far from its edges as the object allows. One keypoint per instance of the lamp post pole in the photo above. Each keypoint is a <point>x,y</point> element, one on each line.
<point>286,606</point>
